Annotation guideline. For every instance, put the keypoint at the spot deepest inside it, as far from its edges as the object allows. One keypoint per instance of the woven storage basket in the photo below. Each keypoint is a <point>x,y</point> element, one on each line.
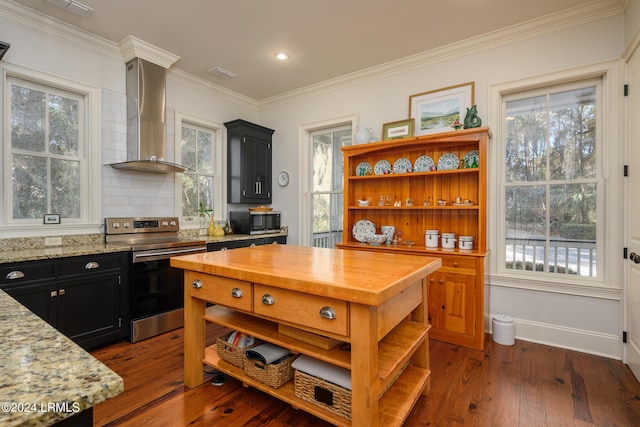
<point>274,374</point>
<point>327,395</point>
<point>231,353</point>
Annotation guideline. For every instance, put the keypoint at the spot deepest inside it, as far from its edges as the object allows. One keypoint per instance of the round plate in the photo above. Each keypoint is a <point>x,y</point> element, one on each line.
<point>402,165</point>
<point>423,164</point>
<point>382,167</point>
<point>363,228</point>
<point>448,161</point>
<point>363,169</point>
<point>471,159</point>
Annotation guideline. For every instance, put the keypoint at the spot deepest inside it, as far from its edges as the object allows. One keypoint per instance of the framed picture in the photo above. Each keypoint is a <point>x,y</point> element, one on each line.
<point>399,129</point>
<point>51,219</point>
<point>436,110</point>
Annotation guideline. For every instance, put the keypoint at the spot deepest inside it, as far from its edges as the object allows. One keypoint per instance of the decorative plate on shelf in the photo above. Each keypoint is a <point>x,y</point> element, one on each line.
<point>363,168</point>
<point>382,167</point>
<point>448,161</point>
<point>471,159</point>
<point>363,228</point>
<point>423,164</point>
<point>402,165</point>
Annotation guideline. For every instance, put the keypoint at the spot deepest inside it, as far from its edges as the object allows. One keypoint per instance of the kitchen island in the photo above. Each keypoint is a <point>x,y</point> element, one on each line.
<point>44,377</point>
<point>374,302</point>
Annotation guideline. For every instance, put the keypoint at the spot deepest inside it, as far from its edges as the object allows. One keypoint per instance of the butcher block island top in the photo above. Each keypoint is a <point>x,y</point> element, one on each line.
<point>374,302</point>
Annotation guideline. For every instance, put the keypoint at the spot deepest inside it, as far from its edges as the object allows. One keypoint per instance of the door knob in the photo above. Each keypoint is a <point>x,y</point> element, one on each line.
<point>634,257</point>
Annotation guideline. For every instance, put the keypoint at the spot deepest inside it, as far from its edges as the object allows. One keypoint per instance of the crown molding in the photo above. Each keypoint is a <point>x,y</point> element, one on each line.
<point>132,47</point>
<point>590,12</point>
<point>59,29</point>
<point>578,15</point>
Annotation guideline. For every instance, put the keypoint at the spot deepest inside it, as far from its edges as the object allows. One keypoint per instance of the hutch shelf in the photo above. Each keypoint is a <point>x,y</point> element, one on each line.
<point>405,179</point>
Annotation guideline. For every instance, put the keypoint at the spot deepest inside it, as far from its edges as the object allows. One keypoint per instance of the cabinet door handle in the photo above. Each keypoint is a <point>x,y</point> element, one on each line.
<point>54,294</point>
<point>455,264</point>
<point>268,299</point>
<point>441,281</point>
<point>328,313</point>
<point>197,284</point>
<point>91,265</point>
<point>236,293</point>
<point>61,292</point>
<point>16,274</point>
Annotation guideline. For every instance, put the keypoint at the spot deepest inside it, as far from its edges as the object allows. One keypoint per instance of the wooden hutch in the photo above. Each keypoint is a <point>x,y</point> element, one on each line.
<point>389,173</point>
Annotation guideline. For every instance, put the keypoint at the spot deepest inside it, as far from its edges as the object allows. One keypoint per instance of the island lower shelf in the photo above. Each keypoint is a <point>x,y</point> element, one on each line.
<point>402,381</point>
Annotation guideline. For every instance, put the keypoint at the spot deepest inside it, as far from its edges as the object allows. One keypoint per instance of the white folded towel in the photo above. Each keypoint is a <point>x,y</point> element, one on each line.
<point>326,371</point>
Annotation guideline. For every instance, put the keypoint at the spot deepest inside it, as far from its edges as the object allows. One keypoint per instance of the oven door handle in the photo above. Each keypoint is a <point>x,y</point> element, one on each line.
<point>137,256</point>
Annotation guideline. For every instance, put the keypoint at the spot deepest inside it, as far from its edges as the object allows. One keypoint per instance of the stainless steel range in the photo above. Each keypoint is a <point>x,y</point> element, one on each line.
<point>156,292</point>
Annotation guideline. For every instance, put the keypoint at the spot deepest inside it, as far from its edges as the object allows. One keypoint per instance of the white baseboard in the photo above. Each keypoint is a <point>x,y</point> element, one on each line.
<point>605,345</point>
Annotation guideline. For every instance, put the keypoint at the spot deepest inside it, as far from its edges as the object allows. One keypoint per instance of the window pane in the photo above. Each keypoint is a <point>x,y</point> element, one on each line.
<point>27,119</point>
<point>29,187</point>
<point>65,188</point>
<point>205,152</point>
<point>572,139</point>
<point>188,148</point>
<point>525,227</point>
<point>526,139</point>
<point>322,163</point>
<point>63,126</point>
<point>189,194</point>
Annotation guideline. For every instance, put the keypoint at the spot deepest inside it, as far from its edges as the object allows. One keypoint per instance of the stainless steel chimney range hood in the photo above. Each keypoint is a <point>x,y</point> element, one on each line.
<point>146,103</point>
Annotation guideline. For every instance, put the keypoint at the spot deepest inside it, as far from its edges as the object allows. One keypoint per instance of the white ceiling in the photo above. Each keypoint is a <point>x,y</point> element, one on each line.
<point>326,39</point>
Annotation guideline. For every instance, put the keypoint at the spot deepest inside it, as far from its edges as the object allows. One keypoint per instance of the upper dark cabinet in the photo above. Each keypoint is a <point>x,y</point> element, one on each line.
<point>248,162</point>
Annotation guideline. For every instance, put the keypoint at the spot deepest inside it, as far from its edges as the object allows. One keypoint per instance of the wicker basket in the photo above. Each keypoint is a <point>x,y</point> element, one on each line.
<point>274,374</point>
<point>327,395</point>
<point>232,353</point>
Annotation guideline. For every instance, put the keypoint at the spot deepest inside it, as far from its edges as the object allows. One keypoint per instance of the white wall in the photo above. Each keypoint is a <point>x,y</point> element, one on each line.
<point>587,323</point>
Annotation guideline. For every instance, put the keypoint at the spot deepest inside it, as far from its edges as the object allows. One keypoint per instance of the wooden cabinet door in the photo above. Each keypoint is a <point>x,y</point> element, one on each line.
<point>452,302</point>
<point>256,170</point>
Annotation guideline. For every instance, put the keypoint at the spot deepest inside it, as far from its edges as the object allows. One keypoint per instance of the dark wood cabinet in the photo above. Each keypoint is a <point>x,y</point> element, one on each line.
<point>249,153</point>
<point>83,297</point>
<point>231,244</point>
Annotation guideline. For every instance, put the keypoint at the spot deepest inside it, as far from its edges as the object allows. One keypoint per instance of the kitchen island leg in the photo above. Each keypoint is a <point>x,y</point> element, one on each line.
<point>194,340</point>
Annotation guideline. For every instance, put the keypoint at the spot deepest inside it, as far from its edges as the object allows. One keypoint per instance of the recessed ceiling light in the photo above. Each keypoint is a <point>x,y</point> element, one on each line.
<point>282,56</point>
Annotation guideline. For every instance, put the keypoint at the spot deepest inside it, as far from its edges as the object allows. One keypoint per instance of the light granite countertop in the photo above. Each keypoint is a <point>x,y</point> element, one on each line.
<point>44,376</point>
<point>32,249</point>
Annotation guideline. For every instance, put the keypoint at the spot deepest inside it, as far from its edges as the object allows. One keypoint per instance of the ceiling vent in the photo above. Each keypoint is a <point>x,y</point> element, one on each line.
<point>221,72</point>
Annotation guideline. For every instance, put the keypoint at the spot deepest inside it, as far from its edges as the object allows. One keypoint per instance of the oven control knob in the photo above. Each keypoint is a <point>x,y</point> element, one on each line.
<point>116,225</point>
<point>165,224</point>
<point>173,223</point>
<point>197,284</point>
<point>126,225</point>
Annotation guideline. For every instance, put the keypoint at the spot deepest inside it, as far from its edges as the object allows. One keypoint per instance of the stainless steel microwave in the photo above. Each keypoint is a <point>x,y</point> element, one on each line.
<point>252,222</point>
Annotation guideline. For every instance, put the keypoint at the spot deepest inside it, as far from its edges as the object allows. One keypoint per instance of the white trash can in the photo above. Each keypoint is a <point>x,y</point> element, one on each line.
<point>503,328</point>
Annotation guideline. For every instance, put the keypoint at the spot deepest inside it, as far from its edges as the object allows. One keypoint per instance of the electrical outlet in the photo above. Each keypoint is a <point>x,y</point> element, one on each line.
<point>53,241</point>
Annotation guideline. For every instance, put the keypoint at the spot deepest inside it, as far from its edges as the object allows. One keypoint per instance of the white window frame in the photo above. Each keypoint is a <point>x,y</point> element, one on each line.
<point>305,135</point>
<point>89,153</point>
<point>611,158</point>
<point>219,171</point>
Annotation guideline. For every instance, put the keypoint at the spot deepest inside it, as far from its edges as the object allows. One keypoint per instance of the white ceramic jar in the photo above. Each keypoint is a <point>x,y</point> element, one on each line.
<point>431,238</point>
<point>465,243</point>
<point>448,240</point>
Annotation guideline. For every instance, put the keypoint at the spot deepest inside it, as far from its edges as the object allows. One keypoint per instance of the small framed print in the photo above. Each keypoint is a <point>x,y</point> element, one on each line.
<point>51,219</point>
<point>399,129</point>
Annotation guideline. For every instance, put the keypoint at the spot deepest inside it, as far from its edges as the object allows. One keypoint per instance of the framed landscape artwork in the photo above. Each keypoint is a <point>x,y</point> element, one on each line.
<point>436,110</point>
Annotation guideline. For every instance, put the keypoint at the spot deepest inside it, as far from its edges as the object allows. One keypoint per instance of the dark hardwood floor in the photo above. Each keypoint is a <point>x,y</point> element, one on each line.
<point>522,385</point>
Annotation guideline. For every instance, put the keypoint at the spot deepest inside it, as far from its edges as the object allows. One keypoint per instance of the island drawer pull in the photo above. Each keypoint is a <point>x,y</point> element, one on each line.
<point>236,293</point>
<point>268,299</point>
<point>197,284</point>
<point>328,313</point>
<point>15,274</point>
<point>91,265</point>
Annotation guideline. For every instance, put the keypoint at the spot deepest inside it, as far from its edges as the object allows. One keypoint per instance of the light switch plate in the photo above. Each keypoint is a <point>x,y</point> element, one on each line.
<point>53,241</point>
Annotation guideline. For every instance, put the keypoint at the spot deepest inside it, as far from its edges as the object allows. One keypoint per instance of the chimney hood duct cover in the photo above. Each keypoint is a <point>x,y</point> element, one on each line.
<point>146,141</point>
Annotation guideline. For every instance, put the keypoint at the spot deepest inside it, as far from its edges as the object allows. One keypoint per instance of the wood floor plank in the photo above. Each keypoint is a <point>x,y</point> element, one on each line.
<point>523,385</point>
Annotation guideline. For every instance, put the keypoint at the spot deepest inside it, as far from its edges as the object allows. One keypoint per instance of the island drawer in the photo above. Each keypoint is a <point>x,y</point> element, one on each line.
<point>324,314</point>
<point>220,290</point>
